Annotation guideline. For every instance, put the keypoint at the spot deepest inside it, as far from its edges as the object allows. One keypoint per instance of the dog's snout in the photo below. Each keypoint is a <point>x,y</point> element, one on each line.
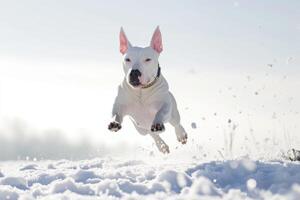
<point>134,77</point>
<point>135,73</point>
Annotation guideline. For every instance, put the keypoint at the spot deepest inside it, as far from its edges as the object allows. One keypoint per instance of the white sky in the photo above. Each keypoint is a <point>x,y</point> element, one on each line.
<point>218,34</point>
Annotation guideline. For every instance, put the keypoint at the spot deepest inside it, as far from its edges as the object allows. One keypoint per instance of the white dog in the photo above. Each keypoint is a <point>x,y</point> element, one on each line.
<point>144,94</point>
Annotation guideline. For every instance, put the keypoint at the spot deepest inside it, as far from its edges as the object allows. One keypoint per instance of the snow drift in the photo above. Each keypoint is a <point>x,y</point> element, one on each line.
<point>152,179</point>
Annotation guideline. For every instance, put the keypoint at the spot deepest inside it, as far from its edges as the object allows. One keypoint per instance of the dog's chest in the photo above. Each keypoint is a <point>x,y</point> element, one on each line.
<point>143,105</point>
<point>142,114</point>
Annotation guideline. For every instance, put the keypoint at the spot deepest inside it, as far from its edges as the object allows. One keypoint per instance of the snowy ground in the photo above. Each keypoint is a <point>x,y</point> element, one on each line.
<point>149,178</point>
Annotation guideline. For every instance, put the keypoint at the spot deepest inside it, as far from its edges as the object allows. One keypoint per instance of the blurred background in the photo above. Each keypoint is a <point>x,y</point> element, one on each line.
<point>233,66</point>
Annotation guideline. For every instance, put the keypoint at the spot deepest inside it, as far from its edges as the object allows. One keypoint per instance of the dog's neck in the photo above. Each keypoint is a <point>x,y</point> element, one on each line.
<point>154,81</point>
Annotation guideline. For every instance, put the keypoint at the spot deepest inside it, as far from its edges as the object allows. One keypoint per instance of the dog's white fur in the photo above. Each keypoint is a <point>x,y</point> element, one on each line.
<point>148,107</point>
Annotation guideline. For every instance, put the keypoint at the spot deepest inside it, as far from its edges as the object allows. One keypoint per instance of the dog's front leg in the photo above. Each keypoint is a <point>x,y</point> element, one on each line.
<point>117,114</point>
<point>157,125</point>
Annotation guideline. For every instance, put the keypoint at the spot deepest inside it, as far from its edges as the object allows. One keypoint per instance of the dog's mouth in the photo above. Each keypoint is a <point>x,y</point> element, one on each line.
<point>139,84</point>
<point>135,83</point>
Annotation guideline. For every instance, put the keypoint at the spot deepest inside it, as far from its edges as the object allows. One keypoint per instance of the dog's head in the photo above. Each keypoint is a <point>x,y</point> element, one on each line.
<point>140,64</point>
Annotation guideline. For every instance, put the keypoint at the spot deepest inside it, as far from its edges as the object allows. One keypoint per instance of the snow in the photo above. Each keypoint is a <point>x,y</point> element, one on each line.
<point>150,178</point>
<point>17,182</point>
<point>69,185</point>
<point>29,167</point>
<point>8,193</point>
<point>251,184</point>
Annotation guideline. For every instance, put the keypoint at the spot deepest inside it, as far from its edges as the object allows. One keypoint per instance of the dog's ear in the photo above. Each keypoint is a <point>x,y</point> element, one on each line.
<point>156,41</point>
<point>124,42</point>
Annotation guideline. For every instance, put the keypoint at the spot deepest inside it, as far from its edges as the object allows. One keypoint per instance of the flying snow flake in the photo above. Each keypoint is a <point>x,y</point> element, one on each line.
<point>193,125</point>
<point>251,184</point>
<point>289,60</point>
<point>274,116</point>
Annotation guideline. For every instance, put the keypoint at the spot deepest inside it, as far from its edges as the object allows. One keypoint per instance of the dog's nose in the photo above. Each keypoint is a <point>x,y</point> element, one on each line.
<point>135,73</point>
<point>134,77</point>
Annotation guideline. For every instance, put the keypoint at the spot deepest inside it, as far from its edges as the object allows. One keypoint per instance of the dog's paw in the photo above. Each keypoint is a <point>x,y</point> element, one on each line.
<point>164,149</point>
<point>157,127</point>
<point>114,126</point>
<point>183,139</point>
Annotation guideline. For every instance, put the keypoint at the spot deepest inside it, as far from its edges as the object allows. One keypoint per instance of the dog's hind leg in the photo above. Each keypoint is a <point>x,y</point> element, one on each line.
<point>181,134</point>
<point>175,121</point>
<point>161,145</point>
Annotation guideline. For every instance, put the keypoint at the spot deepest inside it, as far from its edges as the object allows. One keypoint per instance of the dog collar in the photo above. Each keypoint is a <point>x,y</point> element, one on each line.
<point>154,81</point>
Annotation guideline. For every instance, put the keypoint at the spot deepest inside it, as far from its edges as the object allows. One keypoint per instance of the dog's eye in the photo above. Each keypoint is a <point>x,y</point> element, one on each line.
<point>127,60</point>
<point>148,59</point>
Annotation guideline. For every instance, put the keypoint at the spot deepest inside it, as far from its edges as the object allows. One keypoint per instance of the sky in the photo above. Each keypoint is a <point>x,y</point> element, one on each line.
<point>60,64</point>
<point>212,34</point>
